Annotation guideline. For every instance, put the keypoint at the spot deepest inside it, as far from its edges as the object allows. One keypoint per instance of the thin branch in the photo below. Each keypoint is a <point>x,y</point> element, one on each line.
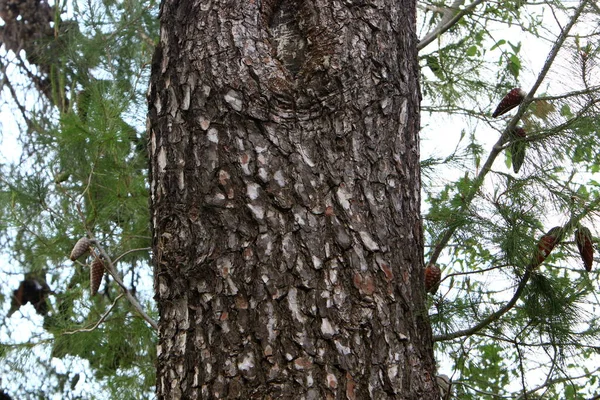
<point>13,93</point>
<point>108,264</point>
<point>131,251</point>
<point>482,392</point>
<point>560,380</point>
<point>477,271</point>
<point>97,324</point>
<point>533,344</point>
<point>570,94</point>
<point>448,21</point>
<point>521,367</point>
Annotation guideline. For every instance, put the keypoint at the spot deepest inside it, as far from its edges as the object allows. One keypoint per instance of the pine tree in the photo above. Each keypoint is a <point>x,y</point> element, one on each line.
<point>280,162</point>
<point>81,174</point>
<point>76,79</point>
<point>512,315</point>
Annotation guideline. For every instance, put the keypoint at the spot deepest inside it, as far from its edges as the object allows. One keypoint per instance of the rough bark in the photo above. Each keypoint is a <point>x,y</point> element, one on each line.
<point>285,195</point>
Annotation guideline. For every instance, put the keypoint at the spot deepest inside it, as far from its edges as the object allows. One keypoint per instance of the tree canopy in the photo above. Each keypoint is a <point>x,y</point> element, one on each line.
<point>507,322</point>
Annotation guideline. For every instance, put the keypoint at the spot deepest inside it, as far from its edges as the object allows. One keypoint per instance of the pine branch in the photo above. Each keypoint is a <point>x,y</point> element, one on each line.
<point>448,21</point>
<point>108,264</point>
<point>522,283</point>
<point>492,317</point>
<point>557,129</point>
<point>551,382</point>
<point>487,167</point>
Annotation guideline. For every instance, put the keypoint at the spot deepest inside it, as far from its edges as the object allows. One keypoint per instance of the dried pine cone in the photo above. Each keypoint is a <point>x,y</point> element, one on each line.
<point>80,248</point>
<point>433,275</point>
<point>96,275</point>
<point>545,246</point>
<point>583,239</point>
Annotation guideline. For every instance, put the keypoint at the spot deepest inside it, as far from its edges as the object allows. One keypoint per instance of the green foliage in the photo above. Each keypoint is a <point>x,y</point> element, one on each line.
<point>497,335</point>
<point>83,169</point>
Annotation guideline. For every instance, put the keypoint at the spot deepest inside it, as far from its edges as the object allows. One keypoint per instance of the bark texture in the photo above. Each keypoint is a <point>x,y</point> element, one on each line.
<point>285,195</point>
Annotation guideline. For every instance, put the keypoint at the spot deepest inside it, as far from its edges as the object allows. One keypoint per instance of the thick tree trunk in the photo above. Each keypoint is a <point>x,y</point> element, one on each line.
<point>285,196</point>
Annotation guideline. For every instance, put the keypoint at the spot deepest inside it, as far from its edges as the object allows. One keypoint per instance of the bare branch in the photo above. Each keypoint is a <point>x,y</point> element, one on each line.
<point>451,17</point>
<point>97,324</point>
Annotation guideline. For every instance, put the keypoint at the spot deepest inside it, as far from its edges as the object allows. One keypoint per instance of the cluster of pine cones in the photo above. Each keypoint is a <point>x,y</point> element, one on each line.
<point>82,246</point>
<point>583,239</point>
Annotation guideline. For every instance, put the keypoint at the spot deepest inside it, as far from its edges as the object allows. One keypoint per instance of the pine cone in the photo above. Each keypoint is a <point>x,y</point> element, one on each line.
<point>80,248</point>
<point>546,245</point>
<point>518,148</point>
<point>96,275</point>
<point>433,275</point>
<point>583,238</point>
<point>510,101</point>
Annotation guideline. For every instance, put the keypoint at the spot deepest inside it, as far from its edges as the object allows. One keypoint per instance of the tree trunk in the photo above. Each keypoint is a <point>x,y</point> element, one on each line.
<point>285,195</point>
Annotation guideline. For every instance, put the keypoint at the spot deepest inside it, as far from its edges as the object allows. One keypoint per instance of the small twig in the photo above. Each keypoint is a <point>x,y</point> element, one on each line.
<point>87,187</point>
<point>97,324</point>
<point>116,260</point>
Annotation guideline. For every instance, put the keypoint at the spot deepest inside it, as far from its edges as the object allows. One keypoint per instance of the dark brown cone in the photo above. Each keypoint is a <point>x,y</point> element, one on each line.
<point>433,275</point>
<point>510,101</point>
<point>583,238</point>
<point>96,275</point>
<point>80,248</point>
<point>545,246</point>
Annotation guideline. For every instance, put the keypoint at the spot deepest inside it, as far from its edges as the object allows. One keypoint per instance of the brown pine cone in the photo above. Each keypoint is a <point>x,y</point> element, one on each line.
<point>583,239</point>
<point>80,248</point>
<point>96,275</point>
<point>433,275</point>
